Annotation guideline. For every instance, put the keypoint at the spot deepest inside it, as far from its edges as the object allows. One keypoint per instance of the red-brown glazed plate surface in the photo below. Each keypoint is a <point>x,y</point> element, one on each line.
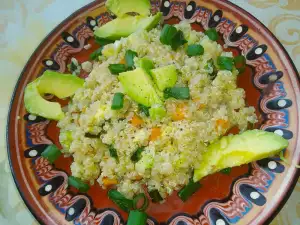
<point>250,194</point>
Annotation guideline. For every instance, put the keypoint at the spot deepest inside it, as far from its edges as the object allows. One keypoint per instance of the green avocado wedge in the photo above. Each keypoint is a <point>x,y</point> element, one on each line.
<point>236,150</point>
<point>121,7</point>
<point>138,85</point>
<point>164,77</point>
<point>124,26</point>
<point>60,85</point>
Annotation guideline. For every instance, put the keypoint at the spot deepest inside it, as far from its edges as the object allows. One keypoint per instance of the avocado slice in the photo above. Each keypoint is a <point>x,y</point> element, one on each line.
<point>164,77</point>
<point>124,26</point>
<point>239,149</point>
<point>145,63</point>
<point>60,85</point>
<point>121,7</point>
<point>138,85</point>
<point>157,112</point>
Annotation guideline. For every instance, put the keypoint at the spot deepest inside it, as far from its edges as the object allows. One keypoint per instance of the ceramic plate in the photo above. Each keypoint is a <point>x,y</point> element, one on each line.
<point>250,194</point>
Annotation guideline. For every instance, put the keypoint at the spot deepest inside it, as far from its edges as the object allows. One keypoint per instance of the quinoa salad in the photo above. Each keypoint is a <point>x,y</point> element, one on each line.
<point>131,150</point>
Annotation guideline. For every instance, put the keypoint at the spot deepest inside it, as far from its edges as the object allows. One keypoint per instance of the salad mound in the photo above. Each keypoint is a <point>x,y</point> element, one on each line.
<point>153,114</point>
<point>139,126</point>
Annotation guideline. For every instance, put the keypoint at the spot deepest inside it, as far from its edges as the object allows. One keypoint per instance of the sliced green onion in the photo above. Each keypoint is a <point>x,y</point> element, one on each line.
<point>78,184</point>
<point>113,152</point>
<point>225,63</point>
<point>137,218</point>
<point>212,34</point>
<point>226,171</point>
<point>95,55</point>
<point>89,135</point>
<point>194,50</point>
<point>167,34</point>
<point>211,64</point>
<point>178,40</point>
<point>177,92</point>
<point>240,63</point>
<point>129,56</point>
<point>118,101</point>
<point>51,153</point>
<point>136,200</point>
<point>283,159</point>
<point>117,68</point>
<point>155,196</point>
<point>144,109</point>
<point>189,190</point>
<point>120,200</point>
<point>137,155</point>
<point>103,41</point>
<point>72,67</point>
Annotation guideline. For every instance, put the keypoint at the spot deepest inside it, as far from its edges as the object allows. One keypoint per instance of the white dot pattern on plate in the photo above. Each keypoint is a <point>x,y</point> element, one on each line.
<point>31,117</point>
<point>254,195</point>
<point>239,30</point>
<point>282,103</point>
<point>93,22</point>
<point>71,211</point>
<point>70,39</point>
<point>33,153</point>
<point>189,8</point>
<point>49,63</point>
<point>220,222</point>
<point>258,51</point>
<point>279,132</point>
<point>273,77</point>
<point>48,187</point>
<point>216,18</point>
<point>272,165</point>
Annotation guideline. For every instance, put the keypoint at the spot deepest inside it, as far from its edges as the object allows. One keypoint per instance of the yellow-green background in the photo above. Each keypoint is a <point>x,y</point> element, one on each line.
<point>23,25</point>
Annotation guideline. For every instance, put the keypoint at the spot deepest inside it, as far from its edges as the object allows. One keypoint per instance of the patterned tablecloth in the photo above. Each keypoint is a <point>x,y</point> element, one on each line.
<point>23,25</point>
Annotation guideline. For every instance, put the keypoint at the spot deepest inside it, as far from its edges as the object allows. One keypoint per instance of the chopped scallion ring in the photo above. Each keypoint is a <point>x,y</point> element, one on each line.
<point>129,56</point>
<point>95,55</point>
<point>240,63</point>
<point>226,171</point>
<point>137,155</point>
<point>137,218</point>
<point>177,92</point>
<point>212,34</point>
<point>115,69</point>
<point>155,196</point>
<point>118,101</point>
<point>186,192</point>
<point>51,153</point>
<point>78,184</point>
<point>136,200</point>
<point>225,63</point>
<point>119,199</point>
<point>194,50</point>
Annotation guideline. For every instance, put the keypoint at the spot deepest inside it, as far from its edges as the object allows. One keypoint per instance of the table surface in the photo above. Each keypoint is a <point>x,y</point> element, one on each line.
<point>24,24</point>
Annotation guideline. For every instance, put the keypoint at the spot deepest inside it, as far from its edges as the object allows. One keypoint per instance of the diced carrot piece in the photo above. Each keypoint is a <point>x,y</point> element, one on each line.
<point>202,106</point>
<point>109,182</point>
<point>196,99</point>
<point>136,121</point>
<point>155,133</point>
<point>179,113</point>
<point>224,124</point>
<point>138,177</point>
<point>122,61</point>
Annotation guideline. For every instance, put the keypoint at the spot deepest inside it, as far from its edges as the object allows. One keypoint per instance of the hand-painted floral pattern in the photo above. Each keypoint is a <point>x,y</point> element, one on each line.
<point>24,23</point>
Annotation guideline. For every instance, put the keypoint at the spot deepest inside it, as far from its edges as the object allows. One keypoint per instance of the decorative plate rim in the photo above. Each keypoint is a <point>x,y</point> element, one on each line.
<point>272,213</point>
